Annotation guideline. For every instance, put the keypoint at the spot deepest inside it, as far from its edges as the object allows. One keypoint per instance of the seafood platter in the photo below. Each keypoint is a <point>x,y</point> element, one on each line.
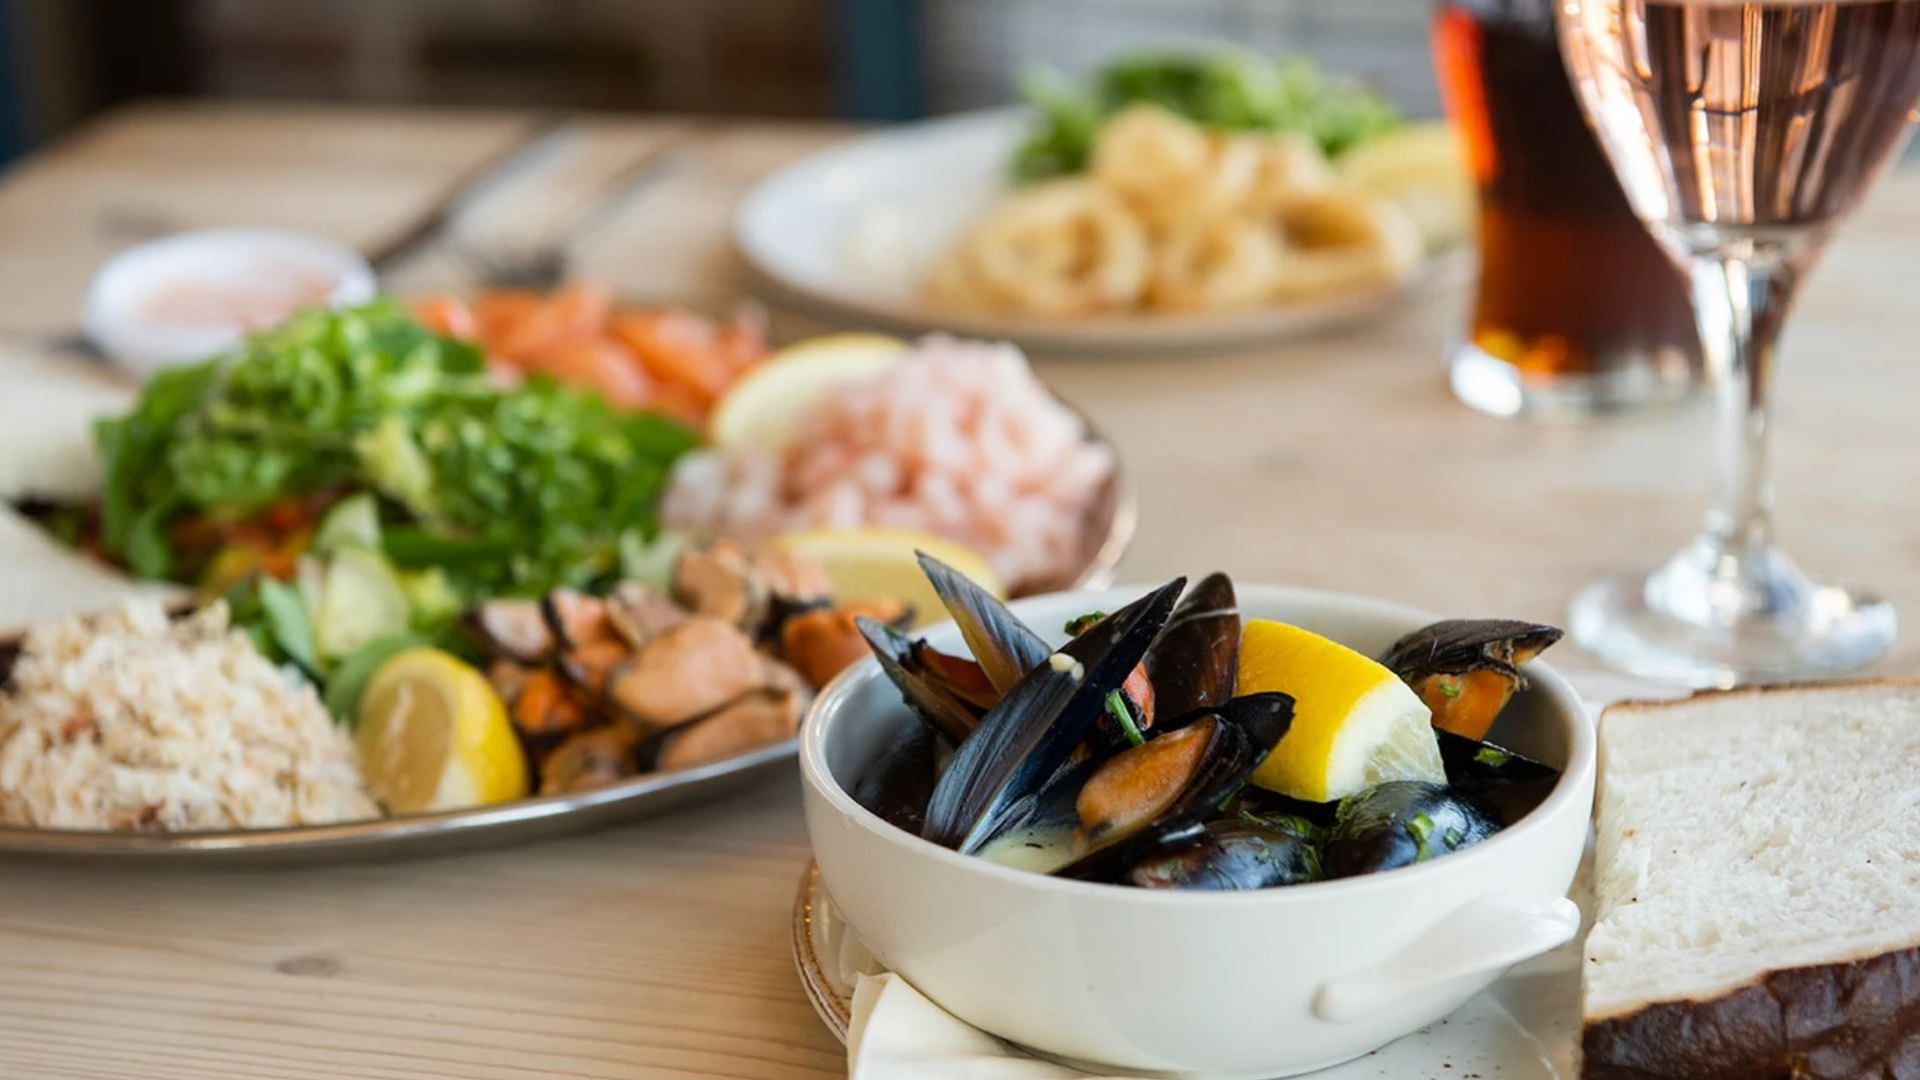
<point>456,570</point>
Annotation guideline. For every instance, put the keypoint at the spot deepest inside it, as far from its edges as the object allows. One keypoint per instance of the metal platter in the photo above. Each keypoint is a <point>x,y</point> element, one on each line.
<point>1111,529</point>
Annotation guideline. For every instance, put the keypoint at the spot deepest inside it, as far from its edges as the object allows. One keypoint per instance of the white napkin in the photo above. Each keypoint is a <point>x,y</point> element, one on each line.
<point>898,1034</point>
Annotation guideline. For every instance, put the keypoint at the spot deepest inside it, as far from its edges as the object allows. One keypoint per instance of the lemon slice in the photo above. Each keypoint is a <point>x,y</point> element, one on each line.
<point>434,736</point>
<point>866,564</point>
<point>1355,724</point>
<point>1423,168</point>
<point>760,410</point>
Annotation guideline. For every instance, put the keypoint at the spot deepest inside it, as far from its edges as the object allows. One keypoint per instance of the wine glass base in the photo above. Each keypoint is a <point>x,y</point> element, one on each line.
<point>1831,631</point>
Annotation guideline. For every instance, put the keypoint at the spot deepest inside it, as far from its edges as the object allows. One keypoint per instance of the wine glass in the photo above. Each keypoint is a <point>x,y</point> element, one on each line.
<point>1743,134</point>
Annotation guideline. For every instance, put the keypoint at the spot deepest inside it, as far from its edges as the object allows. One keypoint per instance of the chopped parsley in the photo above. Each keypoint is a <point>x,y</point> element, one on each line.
<point>1420,827</point>
<point>1122,715</point>
<point>1081,624</point>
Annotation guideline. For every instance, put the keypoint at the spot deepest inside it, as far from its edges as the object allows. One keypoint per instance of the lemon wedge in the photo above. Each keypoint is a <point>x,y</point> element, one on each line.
<point>1423,168</point>
<point>865,564</point>
<point>434,736</point>
<point>1355,724</point>
<point>759,411</point>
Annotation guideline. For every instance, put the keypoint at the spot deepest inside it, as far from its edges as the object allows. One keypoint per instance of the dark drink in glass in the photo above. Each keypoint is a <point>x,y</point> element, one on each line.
<point>1578,310</point>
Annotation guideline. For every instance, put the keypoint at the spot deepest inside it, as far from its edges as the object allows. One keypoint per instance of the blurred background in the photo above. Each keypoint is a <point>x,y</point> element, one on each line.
<point>862,59</point>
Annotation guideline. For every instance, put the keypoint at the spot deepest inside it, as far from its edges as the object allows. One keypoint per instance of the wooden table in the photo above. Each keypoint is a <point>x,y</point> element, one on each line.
<point>661,949</point>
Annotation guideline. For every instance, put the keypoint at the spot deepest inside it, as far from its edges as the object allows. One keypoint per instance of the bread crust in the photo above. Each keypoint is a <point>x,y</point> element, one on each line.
<point>1853,1020</point>
<point>1894,682</point>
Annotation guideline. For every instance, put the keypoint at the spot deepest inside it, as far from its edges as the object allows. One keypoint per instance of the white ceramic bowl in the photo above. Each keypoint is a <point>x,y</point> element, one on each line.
<point>1255,984</point>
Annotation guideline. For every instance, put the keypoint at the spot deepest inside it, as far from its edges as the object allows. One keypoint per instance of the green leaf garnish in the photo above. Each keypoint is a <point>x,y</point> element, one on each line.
<point>1492,756</point>
<point>1080,624</point>
<point>1117,707</point>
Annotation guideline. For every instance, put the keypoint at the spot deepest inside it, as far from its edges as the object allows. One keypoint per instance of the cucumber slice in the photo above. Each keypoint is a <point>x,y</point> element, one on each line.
<point>360,600</point>
<point>353,522</point>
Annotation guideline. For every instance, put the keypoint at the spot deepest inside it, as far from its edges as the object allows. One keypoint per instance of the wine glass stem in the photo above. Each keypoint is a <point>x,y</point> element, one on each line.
<point>1731,571</point>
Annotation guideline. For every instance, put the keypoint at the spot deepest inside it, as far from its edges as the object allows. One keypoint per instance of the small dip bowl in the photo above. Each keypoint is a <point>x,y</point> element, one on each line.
<point>1221,985</point>
<point>188,296</point>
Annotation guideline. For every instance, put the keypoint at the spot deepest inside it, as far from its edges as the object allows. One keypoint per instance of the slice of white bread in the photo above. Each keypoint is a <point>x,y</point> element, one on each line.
<point>1757,887</point>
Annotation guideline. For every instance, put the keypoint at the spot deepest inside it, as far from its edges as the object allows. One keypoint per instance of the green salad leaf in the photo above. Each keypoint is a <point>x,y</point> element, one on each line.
<point>1230,90</point>
<point>505,491</point>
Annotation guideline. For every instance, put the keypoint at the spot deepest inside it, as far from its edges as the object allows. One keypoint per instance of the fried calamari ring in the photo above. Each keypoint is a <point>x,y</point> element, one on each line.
<point>1287,166</point>
<point>1064,247</point>
<point>1171,170</point>
<point>1224,263</point>
<point>1343,242</point>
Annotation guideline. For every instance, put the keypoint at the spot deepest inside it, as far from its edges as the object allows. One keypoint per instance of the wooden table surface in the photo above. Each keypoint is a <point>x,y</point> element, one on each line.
<point>661,949</point>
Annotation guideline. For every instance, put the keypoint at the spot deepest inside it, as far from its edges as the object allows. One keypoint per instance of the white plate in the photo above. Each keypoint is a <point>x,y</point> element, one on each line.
<point>1522,1028</point>
<point>854,228</point>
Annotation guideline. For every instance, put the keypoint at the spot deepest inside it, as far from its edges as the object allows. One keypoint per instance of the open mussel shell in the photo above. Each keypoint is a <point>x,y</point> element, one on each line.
<point>900,781</point>
<point>930,699</point>
<point>1037,725</point>
<point>1402,822</point>
<point>1004,647</point>
<point>512,628</point>
<point>1196,660</point>
<point>1466,670</point>
<point>1511,783</point>
<point>1232,854</point>
<point>1167,787</point>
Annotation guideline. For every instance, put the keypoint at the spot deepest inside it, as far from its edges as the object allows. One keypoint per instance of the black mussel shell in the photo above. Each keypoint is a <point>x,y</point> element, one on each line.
<point>1035,728</point>
<point>1005,648</point>
<point>1259,802</point>
<point>1512,783</point>
<point>1454,646</point>
<point>898,784</point>
<point>1236,739</point>
<point>1402,822</point>
<point>1196,660</point>
<point>935,703</point>
<point>1234,853</point>
<point>1466,670</point>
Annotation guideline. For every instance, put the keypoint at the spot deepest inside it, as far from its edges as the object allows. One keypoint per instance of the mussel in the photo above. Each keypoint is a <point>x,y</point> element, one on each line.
<point>1194,663</point>
<point>1402,822</point>
<point>719,581</point>
<point>591,759</point>
<point>698,666</point>
<point>822,642</point>
<point>756,718</point>
<point>937,701</point>
<point>898,783</point>
<point>638,613</point>
<point>1245,852</point>
<point>576,619</point>
<point>1466,670</point>
<point>515,629</point>
<point>1038,724</point>
<point>1170,785</point>
<point>1005,648</point>
<point>1511,783</point>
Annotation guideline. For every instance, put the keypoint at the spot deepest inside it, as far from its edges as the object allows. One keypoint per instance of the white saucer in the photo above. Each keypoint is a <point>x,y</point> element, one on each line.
<point>1522,1028</point>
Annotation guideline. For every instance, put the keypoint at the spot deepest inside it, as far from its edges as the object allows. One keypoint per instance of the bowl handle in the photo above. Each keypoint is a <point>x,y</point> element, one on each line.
<point>1489,934</point>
